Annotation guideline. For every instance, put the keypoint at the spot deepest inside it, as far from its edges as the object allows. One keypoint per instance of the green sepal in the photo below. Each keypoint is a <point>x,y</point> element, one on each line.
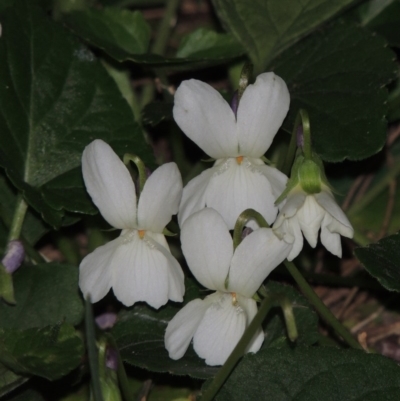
<point>293,180</point>
<point>6,286</point>
<point>267,161</point>
<point>208,160</point>
<point>310,177</point>
<point>168,233</point>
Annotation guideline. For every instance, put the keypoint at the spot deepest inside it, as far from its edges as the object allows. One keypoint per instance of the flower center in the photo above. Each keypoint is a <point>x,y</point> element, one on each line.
<point>239,160</point>
<point>141,233</point>
<point>234,299</point>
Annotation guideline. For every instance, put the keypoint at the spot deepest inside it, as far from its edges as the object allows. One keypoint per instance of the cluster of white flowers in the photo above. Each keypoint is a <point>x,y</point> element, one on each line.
<point>138,265</point>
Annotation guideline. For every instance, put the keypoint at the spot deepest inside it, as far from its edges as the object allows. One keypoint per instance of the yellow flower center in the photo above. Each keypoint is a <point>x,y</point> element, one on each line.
<point>234,299</point>
<point>141,233</point>
<point>239,159</point>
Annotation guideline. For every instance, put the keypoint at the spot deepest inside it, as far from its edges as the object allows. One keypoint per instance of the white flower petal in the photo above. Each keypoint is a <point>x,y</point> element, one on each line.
<point>250,308</point>
<point>208,248</point>
<point>176,279</point>
<point>294,202</point>
<point>206,118</point>
<point>310,217</point>
<point>240,187</point>
<point>254,259</point>
<point>160,198</point>
<point>109,184</point>
<point>95,274</point>
<point>181,328</point>
<point>261,112</point>
<point>220,330</point>
<point>140,271</point>
<point>331,239</point>
<point>326,200</point>
<point>277,179</point>
<point>193,196</point>
<point>292,225</point>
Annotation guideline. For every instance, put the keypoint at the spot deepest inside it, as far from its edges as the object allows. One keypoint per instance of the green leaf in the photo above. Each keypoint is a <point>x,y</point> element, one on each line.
<point>95,28</point>
<point>139,334</point>
<point>381,260</point>
<point>55,98</point>
<point>28,395</point>
<point>338,75</point>
<point>50,352</point>
<point>45,294</point>
<point>314,373</point>
<point>266,28</point>
<point>204,43</point>
<point>305,317</point>
<point>9,380</point>
<point>113,27</point>
<point>382,17</point>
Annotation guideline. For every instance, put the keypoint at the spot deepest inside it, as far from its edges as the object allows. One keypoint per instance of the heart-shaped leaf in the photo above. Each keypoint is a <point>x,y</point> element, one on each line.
<point>339,75</point>
<point>312,373</point>
<point>55,98</point>
<point>382,260</point>
<point>266,28</point>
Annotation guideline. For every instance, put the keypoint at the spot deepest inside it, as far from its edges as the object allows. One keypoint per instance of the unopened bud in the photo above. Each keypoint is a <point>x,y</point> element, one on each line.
<point>106,320</point>
<point>14,256</point>
<point>111,358</point>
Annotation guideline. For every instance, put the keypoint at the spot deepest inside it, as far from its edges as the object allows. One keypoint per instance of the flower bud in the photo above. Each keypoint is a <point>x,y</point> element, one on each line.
<point>14,256</point>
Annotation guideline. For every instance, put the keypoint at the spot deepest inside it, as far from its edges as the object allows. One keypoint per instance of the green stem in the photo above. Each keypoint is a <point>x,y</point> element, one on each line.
<point>242,220</point>
<point>321,308</point>
<point>18,218</point>
<point>122,376</point>
<point>375,190</point>
<point>238,351</point>
<point>245,76</point>
<point>140,166</point>
<point>307,149</point>
<point>287,164</point>
<point>290,321</point>
<point>160,44</point>
<point>92,352</point>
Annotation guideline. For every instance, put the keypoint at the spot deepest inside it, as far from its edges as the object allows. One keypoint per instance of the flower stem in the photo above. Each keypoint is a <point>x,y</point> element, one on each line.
<point>302,122</point>
<point>290,321</point>
<point>140,166</point>
<point>122,376</point>
<point>244,217</point>
<point>18,218</point>
<point>238,351</point>
<point>321,308</point>
<point>160,44</point>
<point>92,352</point>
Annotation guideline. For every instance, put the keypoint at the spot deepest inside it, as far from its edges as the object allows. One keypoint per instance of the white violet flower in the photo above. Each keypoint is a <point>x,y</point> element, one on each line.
<point>138,264</point>
<point>239,178</point>
<point>308,213</point>
<point>217,323</point>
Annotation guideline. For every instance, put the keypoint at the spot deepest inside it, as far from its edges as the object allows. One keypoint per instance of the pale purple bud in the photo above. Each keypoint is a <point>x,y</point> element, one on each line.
<point>14,256</point>
<point>300,137</point>
<point>235,103</point>
<point>106,320</point>
<point>247,231</point>
<point>111,358</point>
